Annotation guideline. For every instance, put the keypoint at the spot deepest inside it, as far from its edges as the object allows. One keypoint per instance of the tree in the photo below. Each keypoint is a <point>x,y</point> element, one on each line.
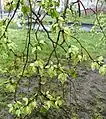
<point>45,78</point>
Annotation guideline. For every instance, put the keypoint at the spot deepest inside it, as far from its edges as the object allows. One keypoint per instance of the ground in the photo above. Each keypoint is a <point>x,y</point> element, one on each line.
<point>88,91</point>
<point>91,91</point>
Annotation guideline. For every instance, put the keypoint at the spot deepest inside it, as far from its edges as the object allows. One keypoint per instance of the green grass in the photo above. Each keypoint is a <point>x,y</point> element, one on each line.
<point>90,42</point>
<point>88,19</point>
<point>85,19</point>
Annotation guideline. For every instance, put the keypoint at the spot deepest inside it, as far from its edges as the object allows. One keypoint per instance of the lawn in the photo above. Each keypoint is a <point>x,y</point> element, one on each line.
<point>89,41</point>
<point>90,19</point>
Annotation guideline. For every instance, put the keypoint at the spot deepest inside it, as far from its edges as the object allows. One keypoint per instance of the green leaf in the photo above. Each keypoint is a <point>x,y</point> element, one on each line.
<point>27,110</point>
<point>32,64</point>
<point>43,2</point>
<point>43,80</point>
<point>94,65</point>
<point>102,70</point>
<point>10,87</point>
<point>1,23</point>
<point>49,96</point>
<point>9,105</point>
<point>39,63</point>
<point>25,9</point>
<point>19,103</point>
<point>79,57</point>
<point>73,49</point>
<point>33,104</point>
<point>26,100</point>
<point>11,109</point>
<point>18,112</point>
<point>34,49</point>
<point>58,102</point>
<point>39,48</point>
<point>54,27</point>
<point>67,30</point>
<point>47,105</point>
<point>62,77</point>
<point>42,42</point>
<point>100,58</point>
<point>43,110</point>
<point>53,13</point>
<point>52,72</point>
<point>61,19</point>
